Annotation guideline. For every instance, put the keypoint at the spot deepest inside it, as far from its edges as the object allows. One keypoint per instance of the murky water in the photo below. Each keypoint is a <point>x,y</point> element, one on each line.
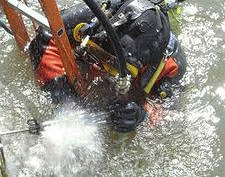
<point>189,141</point>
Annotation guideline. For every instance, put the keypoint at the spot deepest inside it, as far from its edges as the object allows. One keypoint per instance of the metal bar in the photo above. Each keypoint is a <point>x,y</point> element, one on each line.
<point>42,126</point>
<point>33,22</point>
<point>27,11</point>
<point>16,23</point>
<point>13,132</point>
<point>58,30</point>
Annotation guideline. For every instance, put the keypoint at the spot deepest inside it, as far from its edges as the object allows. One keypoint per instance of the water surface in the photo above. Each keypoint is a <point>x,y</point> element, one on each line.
<point>188,141</point>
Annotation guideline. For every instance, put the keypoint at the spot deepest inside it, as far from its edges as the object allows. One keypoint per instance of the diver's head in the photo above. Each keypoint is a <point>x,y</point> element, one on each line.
<point>126,117</point>
<point>147,37</point>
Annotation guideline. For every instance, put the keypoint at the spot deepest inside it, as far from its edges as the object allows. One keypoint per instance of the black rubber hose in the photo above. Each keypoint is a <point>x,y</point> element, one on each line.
<point>5,27</point>
<point>111,32</point>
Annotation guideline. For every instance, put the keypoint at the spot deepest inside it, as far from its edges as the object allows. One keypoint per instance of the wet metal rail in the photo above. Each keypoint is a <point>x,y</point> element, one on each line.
<point>22,8</point>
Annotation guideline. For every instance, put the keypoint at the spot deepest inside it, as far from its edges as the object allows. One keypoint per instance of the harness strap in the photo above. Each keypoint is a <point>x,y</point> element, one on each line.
<point>155,76</point>
<point>167,68</point>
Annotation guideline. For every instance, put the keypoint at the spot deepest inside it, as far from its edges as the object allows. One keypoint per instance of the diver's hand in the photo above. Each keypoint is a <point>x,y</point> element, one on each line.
<point>126,116</point>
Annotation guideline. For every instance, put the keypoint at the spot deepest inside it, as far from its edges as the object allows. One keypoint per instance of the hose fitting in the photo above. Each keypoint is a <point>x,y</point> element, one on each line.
<point>123,84</point>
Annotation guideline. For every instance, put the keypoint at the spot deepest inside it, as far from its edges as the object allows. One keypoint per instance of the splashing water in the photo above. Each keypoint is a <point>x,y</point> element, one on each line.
<point>72,129</point>
<point>189,143</point>
<point>67,146</point>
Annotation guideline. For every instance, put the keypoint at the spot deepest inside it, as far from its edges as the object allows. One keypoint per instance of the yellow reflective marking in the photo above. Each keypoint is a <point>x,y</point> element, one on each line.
<point>132,69</point>
<point>155,76</point>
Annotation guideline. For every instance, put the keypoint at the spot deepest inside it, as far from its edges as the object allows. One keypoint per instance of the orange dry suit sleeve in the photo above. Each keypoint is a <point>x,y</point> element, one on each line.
<point>50,65</point>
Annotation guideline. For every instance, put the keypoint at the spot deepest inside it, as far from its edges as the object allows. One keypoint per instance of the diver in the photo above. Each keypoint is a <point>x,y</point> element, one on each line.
<point>154,61</point>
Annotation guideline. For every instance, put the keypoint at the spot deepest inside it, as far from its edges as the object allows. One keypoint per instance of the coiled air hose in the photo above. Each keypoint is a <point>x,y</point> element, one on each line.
<point>111,32</point>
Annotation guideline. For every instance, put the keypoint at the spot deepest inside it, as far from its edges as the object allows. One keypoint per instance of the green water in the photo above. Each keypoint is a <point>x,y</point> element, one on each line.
<point>189,141</point>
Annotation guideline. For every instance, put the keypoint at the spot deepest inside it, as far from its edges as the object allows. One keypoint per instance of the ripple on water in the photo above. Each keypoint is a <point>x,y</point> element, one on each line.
<point>185,143</point>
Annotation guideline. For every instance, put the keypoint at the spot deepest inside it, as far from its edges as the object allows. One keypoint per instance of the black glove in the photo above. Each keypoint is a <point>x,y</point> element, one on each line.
<point>125,117</point>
